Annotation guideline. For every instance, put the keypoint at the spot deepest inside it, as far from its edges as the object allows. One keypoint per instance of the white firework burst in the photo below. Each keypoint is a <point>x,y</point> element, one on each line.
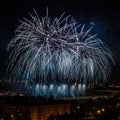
<point>45,51</point>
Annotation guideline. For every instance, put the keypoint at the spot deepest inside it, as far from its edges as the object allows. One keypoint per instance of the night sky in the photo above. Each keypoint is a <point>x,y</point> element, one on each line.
<point>105,16</point>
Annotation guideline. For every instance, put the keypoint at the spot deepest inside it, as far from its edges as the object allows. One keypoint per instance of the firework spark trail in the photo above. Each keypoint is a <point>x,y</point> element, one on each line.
<point>54,51</point>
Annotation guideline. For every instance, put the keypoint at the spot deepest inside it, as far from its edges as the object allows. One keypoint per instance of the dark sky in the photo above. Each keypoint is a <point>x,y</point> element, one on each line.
<point>105,16</point>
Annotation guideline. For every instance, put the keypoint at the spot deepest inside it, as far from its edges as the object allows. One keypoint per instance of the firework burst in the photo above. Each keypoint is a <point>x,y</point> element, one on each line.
<point>59,50</point>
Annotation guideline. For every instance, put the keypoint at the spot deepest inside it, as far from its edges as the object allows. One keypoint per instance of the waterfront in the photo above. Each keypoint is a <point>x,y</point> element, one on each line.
<point>97,104</point>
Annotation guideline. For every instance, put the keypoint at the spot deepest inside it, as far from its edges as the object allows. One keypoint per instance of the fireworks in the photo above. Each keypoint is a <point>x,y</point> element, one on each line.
<point>46,51</point>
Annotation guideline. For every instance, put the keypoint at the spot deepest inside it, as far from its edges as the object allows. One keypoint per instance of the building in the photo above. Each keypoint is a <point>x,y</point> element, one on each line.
<point>33,110</point>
